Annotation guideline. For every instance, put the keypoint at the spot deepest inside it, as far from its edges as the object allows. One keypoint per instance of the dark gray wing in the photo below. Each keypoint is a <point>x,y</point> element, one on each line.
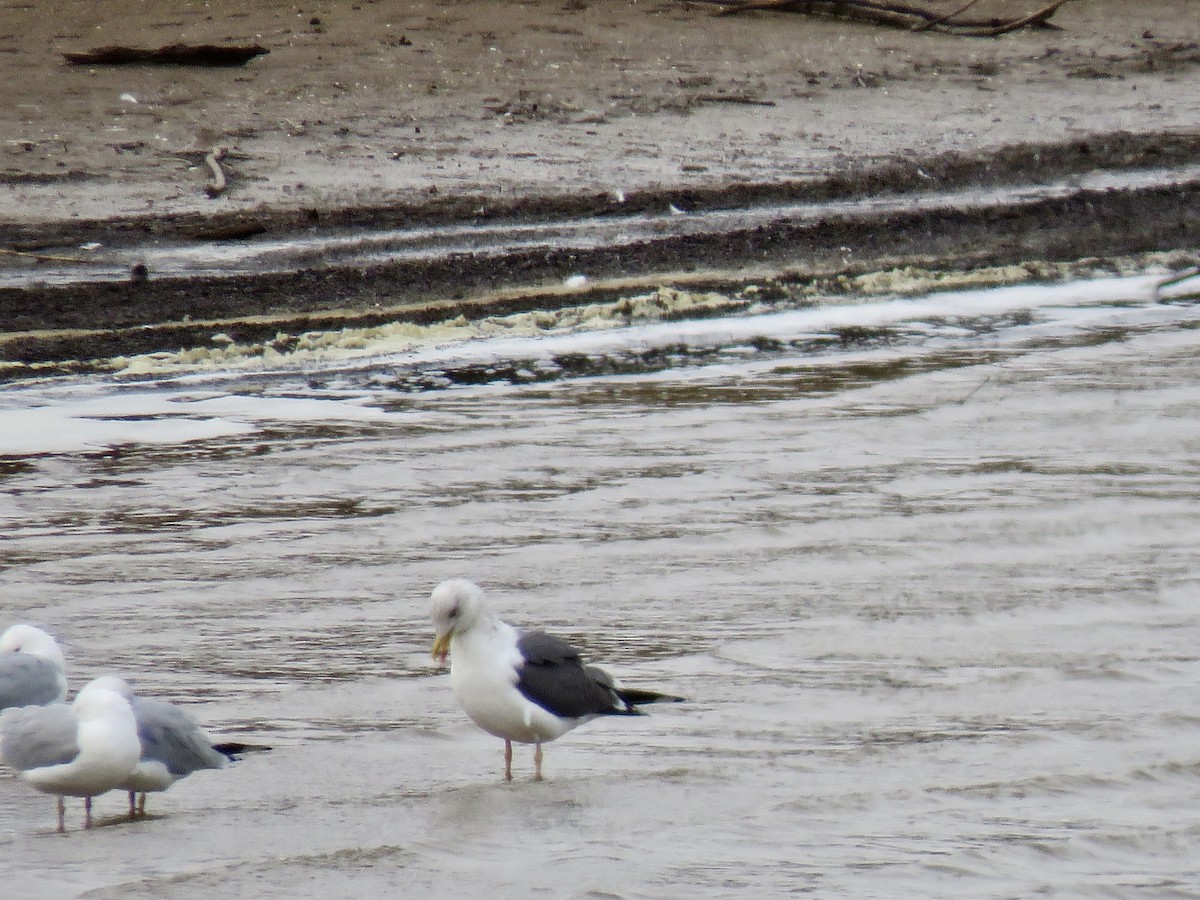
<point>171,736</point>
<point>27,680</point>
<point>554,677</point>
<point>35,736</point>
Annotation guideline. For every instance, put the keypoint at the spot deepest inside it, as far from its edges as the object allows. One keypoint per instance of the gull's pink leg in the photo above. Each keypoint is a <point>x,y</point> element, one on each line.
<point>132,805</point>
<point>62,816</point>
<point>508,760</point>
<point>142,804</point>
<point>537,762</point>
<point>87,812</point>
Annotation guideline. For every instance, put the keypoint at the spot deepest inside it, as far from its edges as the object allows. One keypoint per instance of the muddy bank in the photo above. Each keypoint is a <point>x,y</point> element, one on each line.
<point>621,128</point>
<point>948,228</point>
<point>363,105</point>
<point>1012,165</point>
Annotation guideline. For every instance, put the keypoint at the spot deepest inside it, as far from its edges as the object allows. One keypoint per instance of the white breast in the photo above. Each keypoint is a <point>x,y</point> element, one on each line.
<point>483,674</point>
<point>108,750</point>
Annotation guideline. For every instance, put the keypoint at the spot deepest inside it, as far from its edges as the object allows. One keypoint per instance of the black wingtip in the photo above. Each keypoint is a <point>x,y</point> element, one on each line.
<point>635,697</point>
<point>233,749</point>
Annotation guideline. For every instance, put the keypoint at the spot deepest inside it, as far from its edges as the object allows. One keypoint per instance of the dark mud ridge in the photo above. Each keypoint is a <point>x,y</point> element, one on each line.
<point>168,284</point>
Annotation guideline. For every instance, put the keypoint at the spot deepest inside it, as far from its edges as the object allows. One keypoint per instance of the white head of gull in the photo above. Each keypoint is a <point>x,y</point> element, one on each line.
<point>79,750</point>
<point>520,685</point>
<point>32,669</point>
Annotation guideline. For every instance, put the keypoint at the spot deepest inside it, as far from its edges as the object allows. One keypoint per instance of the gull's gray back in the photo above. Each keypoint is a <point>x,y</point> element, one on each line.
<point>32,737</point>
<point>172,737</point>
<point>27,680</point>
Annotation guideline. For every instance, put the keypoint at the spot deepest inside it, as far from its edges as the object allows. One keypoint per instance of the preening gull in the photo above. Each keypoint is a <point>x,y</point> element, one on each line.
<point>173,745</point>
<point>79,750</point>
<point>524,686</point>
<point>32,670</point>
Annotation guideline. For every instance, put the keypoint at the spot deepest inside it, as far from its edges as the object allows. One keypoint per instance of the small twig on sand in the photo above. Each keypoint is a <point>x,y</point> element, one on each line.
<point>213,160</point>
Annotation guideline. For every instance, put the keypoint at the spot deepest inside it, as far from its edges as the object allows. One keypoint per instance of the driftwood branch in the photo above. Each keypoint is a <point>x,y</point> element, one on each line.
<point>898,15</point>
<point>1039,18</point>
<point>941,20</point>
<point>171,55</point>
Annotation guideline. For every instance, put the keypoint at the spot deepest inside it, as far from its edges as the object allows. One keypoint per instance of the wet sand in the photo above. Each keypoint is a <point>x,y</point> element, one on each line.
<point>367,116</point>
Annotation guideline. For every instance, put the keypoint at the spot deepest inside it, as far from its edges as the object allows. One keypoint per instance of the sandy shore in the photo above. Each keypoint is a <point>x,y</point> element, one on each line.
<point>370,114</point>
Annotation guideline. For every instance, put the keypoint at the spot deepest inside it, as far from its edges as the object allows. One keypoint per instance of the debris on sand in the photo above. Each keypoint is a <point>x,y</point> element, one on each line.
<point>171,55</point>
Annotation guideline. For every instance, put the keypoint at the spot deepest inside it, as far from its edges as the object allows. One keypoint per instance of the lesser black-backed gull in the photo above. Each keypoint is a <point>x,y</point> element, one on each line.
<point>521,685</point>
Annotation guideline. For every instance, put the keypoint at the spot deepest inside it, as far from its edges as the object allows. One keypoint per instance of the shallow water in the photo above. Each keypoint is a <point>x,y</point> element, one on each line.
<point>925,568</point>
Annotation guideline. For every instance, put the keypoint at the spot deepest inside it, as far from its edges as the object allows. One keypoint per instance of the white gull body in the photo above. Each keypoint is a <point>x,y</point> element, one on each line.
<point>79,750</point>
<point>520,685</point>
<point>173,745</point>
<point>484,663</point>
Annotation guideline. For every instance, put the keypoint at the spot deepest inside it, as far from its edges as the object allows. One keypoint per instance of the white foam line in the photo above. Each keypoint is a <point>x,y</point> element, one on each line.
<point>792,323</point>
<point>615,337</point>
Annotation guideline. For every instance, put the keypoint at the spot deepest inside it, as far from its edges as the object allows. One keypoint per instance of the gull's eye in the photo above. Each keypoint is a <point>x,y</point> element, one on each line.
<point>453,613</point>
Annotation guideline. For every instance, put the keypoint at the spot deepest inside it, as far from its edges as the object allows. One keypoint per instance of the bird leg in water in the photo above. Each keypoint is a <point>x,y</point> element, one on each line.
<point>537,762</point>
<point>137,805</point>
<point>87,812</point>
<point>508,760</point>
<point>62,816</point>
